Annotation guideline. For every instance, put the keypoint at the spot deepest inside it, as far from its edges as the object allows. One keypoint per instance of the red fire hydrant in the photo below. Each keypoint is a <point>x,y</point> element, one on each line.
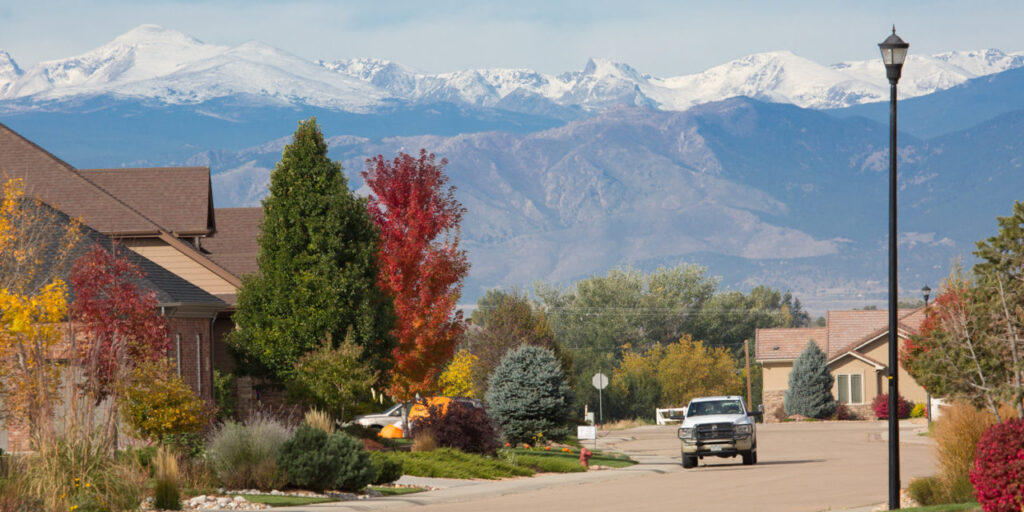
<point>585,457</point>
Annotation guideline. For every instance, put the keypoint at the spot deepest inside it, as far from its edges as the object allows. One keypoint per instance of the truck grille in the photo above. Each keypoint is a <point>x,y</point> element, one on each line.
<point>714,431</point>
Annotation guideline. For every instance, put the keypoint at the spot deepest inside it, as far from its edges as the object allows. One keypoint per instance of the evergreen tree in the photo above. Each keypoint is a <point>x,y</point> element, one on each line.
<point>810,385</point>
<point>317,268</point>
<point>527,395</point>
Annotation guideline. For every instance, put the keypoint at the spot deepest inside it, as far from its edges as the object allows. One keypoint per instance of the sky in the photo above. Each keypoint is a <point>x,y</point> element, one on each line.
<point>660,37</point>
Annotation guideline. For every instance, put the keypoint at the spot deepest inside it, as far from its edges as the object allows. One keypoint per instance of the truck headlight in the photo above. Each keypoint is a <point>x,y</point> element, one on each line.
<point>743,430</point>
<point>686,433</point>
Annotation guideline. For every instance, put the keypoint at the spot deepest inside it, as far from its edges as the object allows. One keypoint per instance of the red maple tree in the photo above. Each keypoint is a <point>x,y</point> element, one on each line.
<point>117,323</point>
<point>421,265</point>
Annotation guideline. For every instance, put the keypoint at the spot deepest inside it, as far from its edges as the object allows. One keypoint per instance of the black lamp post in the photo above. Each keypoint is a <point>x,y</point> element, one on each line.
<point>927,292</point>
<point>894,52</point>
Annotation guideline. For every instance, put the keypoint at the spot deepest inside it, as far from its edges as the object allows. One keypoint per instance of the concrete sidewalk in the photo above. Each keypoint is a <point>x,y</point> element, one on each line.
<point>454,491</point>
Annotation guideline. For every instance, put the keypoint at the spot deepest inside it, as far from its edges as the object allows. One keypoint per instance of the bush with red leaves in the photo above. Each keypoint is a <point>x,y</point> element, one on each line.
<point>881,407</point>
<point>998,473</point>
<point>463,426</point>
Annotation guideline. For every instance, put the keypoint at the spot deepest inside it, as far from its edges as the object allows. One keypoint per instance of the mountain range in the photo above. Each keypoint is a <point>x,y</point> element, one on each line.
<point>770,169</point>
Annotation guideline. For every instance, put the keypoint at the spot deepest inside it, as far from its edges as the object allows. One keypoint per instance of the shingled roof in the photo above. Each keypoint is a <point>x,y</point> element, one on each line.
<point>235,245</point>
<point>844,332</point>
<point>178,199</point>
<point>171,290</point>
<point>59,185</point>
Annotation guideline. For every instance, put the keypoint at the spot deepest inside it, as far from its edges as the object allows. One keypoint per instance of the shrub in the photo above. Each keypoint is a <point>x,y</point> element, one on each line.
<point>999,467</point>
<point>314,460</point>
<point>810,385</point>
<point>927,491</point>
<point>319,420</point>
<point>881,407</point>
<point>166,495</point>
<point>244,455</point>
<point>843,413</point>
<point>919,411</point>
<point>224,395</point>
<point>389,469</point>
<point>527,393</point>
<point>460,426</point>
<point>80,472</point>
<point>156,403</point>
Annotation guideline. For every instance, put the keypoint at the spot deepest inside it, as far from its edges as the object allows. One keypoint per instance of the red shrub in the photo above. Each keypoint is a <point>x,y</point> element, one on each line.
<point>881,407</point>
<point>464,427</point>
<point>998,473</point>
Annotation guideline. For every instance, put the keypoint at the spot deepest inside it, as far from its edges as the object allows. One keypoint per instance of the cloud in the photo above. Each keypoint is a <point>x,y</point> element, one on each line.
<point>912,239</point>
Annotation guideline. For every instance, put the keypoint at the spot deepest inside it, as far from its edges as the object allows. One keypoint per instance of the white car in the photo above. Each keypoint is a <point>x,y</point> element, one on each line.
<point>719,426</point>
<point>377,421</point>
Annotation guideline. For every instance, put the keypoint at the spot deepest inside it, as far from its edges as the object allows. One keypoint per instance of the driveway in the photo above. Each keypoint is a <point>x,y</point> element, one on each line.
<point>802,467</point>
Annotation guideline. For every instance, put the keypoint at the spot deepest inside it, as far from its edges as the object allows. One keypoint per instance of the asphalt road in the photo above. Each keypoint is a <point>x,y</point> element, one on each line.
<point>802,467</point>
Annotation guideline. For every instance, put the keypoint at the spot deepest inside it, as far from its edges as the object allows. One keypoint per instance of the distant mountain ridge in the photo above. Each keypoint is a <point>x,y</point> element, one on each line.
<point>151,62</point>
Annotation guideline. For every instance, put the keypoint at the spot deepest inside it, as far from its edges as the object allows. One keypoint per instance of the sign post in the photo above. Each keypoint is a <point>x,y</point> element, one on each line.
<point>600,381</point>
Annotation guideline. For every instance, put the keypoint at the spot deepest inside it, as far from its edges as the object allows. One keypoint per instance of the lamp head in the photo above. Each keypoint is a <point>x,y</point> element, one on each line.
<point>894,53</point>
<point>926,291</point>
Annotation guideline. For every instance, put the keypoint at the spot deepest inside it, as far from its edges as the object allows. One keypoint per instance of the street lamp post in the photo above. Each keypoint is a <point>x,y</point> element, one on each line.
<point>894,52</point>
<point>927,292</point>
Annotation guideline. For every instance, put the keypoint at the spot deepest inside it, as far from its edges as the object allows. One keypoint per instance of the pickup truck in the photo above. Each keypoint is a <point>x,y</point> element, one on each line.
<point>719,426</point>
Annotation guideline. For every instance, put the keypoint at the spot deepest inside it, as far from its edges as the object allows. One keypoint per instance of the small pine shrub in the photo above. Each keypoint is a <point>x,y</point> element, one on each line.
<point>166,495</point>
<point>998,467</point>
<point>461,426</point>
<point>919,411</point>
<point>810,385</point>
<point>389,469</point>
<point>881,407</point>
<point>927,491</point>
<point>314,460</point>
<point>528,393</point>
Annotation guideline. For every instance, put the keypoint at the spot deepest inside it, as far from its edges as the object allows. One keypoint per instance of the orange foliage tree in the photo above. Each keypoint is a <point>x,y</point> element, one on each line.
<point>421,265</point>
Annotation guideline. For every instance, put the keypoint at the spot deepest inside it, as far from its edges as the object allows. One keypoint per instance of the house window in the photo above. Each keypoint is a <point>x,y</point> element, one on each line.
<point>851,388</point>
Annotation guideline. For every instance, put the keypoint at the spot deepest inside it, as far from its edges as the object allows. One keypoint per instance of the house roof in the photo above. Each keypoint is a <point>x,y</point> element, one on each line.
<point>786,344</point>
<point>57,184</point>
<point>845,331</point>
<point>178,199</point>
<point>235,245</point>
<point>119,207</point>
<point>170,289</point>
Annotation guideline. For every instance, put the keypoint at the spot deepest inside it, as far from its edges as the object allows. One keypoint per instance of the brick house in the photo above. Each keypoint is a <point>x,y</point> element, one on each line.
<point>856,344</point>
<point>193,254</point>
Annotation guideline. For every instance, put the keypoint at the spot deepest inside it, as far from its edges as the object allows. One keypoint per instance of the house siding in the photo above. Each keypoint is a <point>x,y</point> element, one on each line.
<point>195,371</point>
<point>173,260</point>
<point>909,388</point>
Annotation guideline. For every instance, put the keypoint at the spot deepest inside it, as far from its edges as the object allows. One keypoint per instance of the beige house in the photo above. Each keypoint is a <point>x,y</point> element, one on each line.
<point>857,346</point>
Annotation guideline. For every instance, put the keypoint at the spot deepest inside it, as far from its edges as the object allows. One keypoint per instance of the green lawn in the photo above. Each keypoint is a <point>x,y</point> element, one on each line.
<point>971,507</point>
<point>598,459</point>
<point>283,501</point>
<point>396,491</point>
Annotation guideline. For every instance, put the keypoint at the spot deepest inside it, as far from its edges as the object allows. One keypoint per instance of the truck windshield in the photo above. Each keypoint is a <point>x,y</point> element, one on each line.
<point>715,407</point>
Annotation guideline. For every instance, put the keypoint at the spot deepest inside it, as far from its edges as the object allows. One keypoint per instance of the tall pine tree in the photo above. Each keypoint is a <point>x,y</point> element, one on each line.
<point>810,385</point>
<point>317,268</point>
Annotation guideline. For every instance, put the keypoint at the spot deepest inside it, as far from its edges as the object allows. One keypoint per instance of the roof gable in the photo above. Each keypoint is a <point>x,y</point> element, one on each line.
<point>57,184</point>
<point>845,331</point>
<point>235,245</point>
<point>179,199</point>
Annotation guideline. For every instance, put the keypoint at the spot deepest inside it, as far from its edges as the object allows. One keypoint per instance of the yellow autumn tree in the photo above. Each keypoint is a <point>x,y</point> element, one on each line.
<point>457,378</point>
<point>37,244</point>
<point>689,369</point>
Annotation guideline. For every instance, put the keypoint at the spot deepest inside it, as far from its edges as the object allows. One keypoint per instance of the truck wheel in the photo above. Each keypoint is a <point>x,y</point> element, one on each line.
<point>749,457</point>
<point>689,461</point>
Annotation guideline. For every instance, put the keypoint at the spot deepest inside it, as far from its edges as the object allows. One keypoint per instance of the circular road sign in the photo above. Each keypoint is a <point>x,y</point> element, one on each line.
<point>600,381</point>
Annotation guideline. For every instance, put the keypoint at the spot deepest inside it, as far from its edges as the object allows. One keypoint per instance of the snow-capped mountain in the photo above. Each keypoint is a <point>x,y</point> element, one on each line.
<point>155,63</point>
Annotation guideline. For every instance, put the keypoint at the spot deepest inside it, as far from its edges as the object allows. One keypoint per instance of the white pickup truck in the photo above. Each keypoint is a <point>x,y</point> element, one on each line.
<point>719,426</point>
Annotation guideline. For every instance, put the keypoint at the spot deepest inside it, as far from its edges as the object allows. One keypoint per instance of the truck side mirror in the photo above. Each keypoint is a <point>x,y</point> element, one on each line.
<point>758,413</point>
